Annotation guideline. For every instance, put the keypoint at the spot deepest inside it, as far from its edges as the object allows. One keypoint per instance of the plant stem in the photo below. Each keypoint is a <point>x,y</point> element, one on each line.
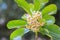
<point>36,36</point>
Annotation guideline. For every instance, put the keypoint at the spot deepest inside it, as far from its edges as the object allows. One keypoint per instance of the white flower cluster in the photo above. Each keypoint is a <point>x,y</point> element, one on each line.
<point>33,23</point>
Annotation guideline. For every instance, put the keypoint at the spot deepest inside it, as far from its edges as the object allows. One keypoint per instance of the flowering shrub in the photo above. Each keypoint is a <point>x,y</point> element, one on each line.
<point>38,18</point>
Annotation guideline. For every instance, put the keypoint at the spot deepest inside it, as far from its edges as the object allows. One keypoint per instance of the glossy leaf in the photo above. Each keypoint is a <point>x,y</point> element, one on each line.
<point>38,4</point>
<point>16,24</point>
<point>24,5</point>
<point>49,10</point>
<point>17,34</point>
<point>54,31</point>
<point>49,20</point>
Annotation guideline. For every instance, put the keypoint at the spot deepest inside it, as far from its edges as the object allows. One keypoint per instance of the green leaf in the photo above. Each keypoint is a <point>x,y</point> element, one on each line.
<point>54,31</point>
<point>24,5</point>
<point>44,31</point>
<point>38,4</point>
<point>43,3</point>
<point>31,7</point>
<point>24,17</point>
<point>41,20</point>
<point>17,34</point>
<point>49,10</point>
<point>49,20</point>
<point>16,24</point>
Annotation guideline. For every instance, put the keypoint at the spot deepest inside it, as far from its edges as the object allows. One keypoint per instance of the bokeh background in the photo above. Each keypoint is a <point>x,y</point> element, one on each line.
<point>9,10</point>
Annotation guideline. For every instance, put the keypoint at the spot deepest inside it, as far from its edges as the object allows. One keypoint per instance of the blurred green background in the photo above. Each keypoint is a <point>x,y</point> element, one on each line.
<point>9,10</point>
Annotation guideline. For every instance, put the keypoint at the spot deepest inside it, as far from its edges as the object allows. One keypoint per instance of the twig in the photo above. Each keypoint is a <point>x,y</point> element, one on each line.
<point>36,36</point>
